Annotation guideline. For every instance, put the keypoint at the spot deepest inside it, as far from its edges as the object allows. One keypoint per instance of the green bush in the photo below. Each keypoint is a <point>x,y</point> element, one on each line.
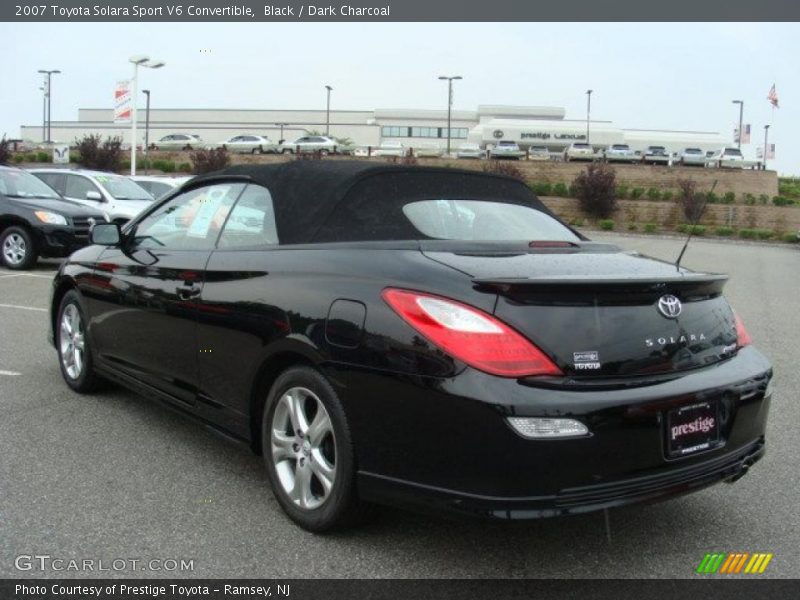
<point>712,198</point>
<point>578,222</point>
<point>724,231</point>
<point>165,166</point>
<point>622,192</point>
<point>749,199</point>
<point>653,194</point>
<point>729,198</point>
<point>74,157</point>
<point>30,157</point>
<point>125,165</point>
<point>560,190</point>
<point>632,227</point>
<point>693,229</point>
<point>666,195</point>
<point>594,188</point>
<point>606,224</point>
<point>18,158</point>
<point>792,238</point>
<point>185,167</point>
<point>753,234</point>
<point>789,187</point>
<point>763,199</point>
<point>542,189</point>
<point>650,227</point>
<point>637,193</point>
<point>782,201</point>
<point>42,157</point>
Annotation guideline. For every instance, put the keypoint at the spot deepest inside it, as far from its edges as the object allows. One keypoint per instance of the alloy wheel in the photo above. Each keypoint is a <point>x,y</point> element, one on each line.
<point>71,341</point>
<point>303,448</point>
<point>14,249</point>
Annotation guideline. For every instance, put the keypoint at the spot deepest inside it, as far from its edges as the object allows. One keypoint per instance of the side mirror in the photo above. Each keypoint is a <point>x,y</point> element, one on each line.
<point>105,234</point>
<point>96,196</point>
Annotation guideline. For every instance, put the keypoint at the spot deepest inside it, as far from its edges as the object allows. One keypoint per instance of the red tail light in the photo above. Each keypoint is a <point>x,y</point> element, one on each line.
<point>470,335</point>
<point>742,337</point>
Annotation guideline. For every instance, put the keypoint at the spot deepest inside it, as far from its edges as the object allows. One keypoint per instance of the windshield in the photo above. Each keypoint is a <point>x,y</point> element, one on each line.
<point>481,220</point>
<point>123,188</point>
<point>21,184</point>
<point>733,152</point>
<point>693,151</point>
<point>620,147</point>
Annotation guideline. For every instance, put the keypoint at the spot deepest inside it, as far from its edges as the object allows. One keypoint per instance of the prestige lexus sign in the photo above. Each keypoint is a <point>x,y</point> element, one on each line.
<point>542,135</point>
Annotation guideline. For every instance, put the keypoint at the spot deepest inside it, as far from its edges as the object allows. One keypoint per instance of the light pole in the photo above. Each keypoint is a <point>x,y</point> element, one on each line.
<point>44,114</point>
<point>47,88</point>
<point>588,114</point>
<point>741,113</point>
<point>449,102</point>
<point>328,111</point>
<point>147,131</point>
<point>281,125</point>
<point>766,151</point>
<point>137,61</point>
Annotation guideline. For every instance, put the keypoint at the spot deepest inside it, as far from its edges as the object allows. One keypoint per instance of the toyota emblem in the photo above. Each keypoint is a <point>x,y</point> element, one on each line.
<point>498,133</point>
<point>669,306</point>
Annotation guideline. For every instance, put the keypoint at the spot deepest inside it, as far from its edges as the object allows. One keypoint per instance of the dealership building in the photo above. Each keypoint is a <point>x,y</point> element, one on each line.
<point>527,125</point>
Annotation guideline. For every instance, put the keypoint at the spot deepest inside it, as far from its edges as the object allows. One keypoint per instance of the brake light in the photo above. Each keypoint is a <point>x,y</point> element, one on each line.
<point>742,337</point>
<point>470,335</point>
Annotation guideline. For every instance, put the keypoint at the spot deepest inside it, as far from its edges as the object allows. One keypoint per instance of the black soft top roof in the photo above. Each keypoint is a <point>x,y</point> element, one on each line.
<point>349,200</point>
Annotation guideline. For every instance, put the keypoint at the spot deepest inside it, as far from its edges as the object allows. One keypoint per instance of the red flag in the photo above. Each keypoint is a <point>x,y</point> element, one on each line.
<point>773,96</point>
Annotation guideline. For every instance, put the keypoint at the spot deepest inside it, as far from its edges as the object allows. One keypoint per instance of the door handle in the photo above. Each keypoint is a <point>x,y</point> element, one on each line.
<point>188,291</point>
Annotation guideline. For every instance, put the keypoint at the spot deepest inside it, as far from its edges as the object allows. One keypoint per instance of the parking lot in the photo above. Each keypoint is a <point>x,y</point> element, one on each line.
<point>115,476</point>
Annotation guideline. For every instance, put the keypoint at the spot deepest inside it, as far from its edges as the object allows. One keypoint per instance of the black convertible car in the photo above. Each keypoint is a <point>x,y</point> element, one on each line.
<point>417,336</point>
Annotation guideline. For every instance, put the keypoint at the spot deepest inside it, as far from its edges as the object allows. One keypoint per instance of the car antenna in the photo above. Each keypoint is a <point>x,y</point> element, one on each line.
<point>692,226</point>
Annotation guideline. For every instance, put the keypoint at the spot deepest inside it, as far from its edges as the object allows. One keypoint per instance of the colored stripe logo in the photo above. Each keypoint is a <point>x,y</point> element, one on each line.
<point>734,563</point>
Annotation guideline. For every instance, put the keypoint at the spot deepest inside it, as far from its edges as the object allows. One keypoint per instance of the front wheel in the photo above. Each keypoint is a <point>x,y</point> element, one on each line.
<point>18,248</point>
<point>308,451</point>
<point>72,343</point>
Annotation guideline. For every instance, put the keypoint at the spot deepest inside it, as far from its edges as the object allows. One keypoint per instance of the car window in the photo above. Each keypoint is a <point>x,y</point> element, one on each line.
<point>122,188</point>
<point>78,186</point>
<point>480,220</point>
<point>155,188</point>
<point>21,184</point>
<point>252,220</point>
<point>189,221</point>
<point>580,146</point>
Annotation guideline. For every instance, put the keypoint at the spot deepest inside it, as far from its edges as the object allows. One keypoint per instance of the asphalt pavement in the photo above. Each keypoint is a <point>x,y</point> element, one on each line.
<point>114,476</point>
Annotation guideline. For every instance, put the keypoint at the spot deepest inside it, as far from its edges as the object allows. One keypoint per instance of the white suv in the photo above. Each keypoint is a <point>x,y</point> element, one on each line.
<point>118,197</point>
<point>726,157</point>
<point>579,151</point>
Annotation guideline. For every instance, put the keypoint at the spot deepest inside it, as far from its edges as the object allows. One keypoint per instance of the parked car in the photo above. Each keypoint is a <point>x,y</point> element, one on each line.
<point>538,153</point>
<point>36,221</point>
<point>470,150</point>
<point>390,149</point>
<point>432,337</point>
<point>157,186</point>
<point>730,158</point>
<point>693,157</point>
<point>428,151</point>
<point>178,141</point>
<point>620,153</point>
<point>310,143</point>
<point>248,144</point>
<point>579,151</point>
<point>506,149</point>
<point>118,197</point>
<point>656,155</point>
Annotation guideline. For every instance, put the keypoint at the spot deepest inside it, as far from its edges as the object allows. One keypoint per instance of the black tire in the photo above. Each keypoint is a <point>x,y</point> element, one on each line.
<point>87,380</point>
<point>339,507</point>
<point>21,247</point>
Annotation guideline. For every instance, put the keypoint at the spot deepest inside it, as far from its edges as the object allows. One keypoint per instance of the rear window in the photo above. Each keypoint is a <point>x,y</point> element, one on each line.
<point>621,147</point>
<point>580,146</point>
<point>480,220</point>
<point>508,143</point>
<point>693,151</point>
<point>733,152</point>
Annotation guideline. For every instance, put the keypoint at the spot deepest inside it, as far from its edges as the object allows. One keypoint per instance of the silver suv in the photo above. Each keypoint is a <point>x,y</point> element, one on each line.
<point>118,197</point>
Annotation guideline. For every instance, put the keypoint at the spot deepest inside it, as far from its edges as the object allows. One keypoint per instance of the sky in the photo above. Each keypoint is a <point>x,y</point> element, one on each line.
<point>643,75</point>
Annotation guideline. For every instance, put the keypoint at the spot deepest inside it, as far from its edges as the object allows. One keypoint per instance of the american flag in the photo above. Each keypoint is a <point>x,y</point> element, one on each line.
<point>773,96</point>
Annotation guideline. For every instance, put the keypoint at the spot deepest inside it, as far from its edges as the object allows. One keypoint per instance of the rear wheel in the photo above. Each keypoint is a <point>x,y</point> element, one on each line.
<point>72,343</point>
<point>308,451</point>
<point>18,248</point>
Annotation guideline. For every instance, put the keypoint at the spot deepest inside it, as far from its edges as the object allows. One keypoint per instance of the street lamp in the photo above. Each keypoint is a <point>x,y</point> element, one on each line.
<point>588,113</point>
<point>147,131</point>
<point>44,114</point>
<point>766,151</point>
<point>138,61</point>
<point>741,112</point>
<point>281,125</point>
<point>449,102</point>
<point>47,94</point>
<point>328,111</point>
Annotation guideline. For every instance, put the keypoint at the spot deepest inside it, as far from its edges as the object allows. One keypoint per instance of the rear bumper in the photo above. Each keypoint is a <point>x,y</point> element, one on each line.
<point>447,444</point>
<point>660,485</point>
